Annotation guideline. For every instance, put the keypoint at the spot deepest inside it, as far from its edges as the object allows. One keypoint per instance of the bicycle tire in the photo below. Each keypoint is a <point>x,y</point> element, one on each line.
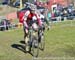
<point>42,40</point>
<point>42,43</point>
<point>35,49</point>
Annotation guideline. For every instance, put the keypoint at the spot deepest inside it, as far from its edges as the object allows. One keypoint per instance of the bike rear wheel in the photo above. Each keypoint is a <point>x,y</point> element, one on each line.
<point>42,43</point>
<point>42,40</point>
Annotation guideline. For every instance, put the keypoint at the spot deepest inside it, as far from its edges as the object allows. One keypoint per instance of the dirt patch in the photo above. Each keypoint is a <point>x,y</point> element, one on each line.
<point>1,8</point>
<point>7,9</point>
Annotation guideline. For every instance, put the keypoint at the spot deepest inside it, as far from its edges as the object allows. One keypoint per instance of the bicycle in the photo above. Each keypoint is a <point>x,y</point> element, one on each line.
<point>41,38</point>
<point>33,42</point>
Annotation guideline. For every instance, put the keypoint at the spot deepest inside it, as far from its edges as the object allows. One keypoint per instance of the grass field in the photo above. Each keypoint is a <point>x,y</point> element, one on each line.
<point>60,43</point>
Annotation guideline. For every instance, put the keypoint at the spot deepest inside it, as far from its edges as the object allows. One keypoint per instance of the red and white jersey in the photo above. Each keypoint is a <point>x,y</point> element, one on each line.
<point>31,16</point>
<point>26,15</point>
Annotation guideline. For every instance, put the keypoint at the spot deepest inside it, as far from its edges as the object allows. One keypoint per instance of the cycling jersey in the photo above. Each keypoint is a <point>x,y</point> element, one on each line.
<point>30,17</point>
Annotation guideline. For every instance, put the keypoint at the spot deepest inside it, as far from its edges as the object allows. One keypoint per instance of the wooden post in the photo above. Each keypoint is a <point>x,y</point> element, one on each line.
<point>20,4</point>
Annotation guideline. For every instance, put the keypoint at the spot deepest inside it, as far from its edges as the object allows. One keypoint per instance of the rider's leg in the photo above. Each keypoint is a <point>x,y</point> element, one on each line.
<point>47,22</point>
<point>35,27</point>
<point>25,32</point>
<point>27,42</point>
<point>26,38</point>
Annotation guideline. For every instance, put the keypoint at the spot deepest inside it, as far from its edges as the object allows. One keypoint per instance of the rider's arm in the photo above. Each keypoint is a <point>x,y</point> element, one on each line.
<point>39,20</point>
<point>25,18</point>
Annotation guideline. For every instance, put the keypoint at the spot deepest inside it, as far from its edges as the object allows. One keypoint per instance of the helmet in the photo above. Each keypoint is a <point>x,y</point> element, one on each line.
<point>33,7</point>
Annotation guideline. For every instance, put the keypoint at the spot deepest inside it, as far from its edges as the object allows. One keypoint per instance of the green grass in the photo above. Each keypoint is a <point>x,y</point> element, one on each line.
<point>60,42</point>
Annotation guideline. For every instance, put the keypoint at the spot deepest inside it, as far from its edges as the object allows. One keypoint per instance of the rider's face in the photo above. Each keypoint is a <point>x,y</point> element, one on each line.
<point>33,11</point>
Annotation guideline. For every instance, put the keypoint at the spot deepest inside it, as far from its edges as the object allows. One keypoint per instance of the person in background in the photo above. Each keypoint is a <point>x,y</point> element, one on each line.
<point>49,16</point>
<point>46,18</point>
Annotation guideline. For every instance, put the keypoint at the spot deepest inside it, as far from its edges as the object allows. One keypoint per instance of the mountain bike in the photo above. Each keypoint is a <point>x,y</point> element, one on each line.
<point>41,38</point>
<point>33,42</point>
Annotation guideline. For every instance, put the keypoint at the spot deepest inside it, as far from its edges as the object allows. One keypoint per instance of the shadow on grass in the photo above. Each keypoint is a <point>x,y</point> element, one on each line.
<point>21,48</point>
<point>22,42</point>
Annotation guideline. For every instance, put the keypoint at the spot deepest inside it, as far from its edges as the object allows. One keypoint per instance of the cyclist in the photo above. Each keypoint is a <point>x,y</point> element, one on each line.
<point>29,20</point>
<point>43,17</point>
<point>45,12</point>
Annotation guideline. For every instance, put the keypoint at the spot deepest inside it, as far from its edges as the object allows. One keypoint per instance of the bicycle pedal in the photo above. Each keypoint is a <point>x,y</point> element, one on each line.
<point>27,49</point>
<point>42,37</point>
<point>36,45</point>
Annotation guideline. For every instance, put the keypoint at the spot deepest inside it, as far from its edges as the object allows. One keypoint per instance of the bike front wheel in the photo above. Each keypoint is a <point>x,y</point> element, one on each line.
<point>35,48</point>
